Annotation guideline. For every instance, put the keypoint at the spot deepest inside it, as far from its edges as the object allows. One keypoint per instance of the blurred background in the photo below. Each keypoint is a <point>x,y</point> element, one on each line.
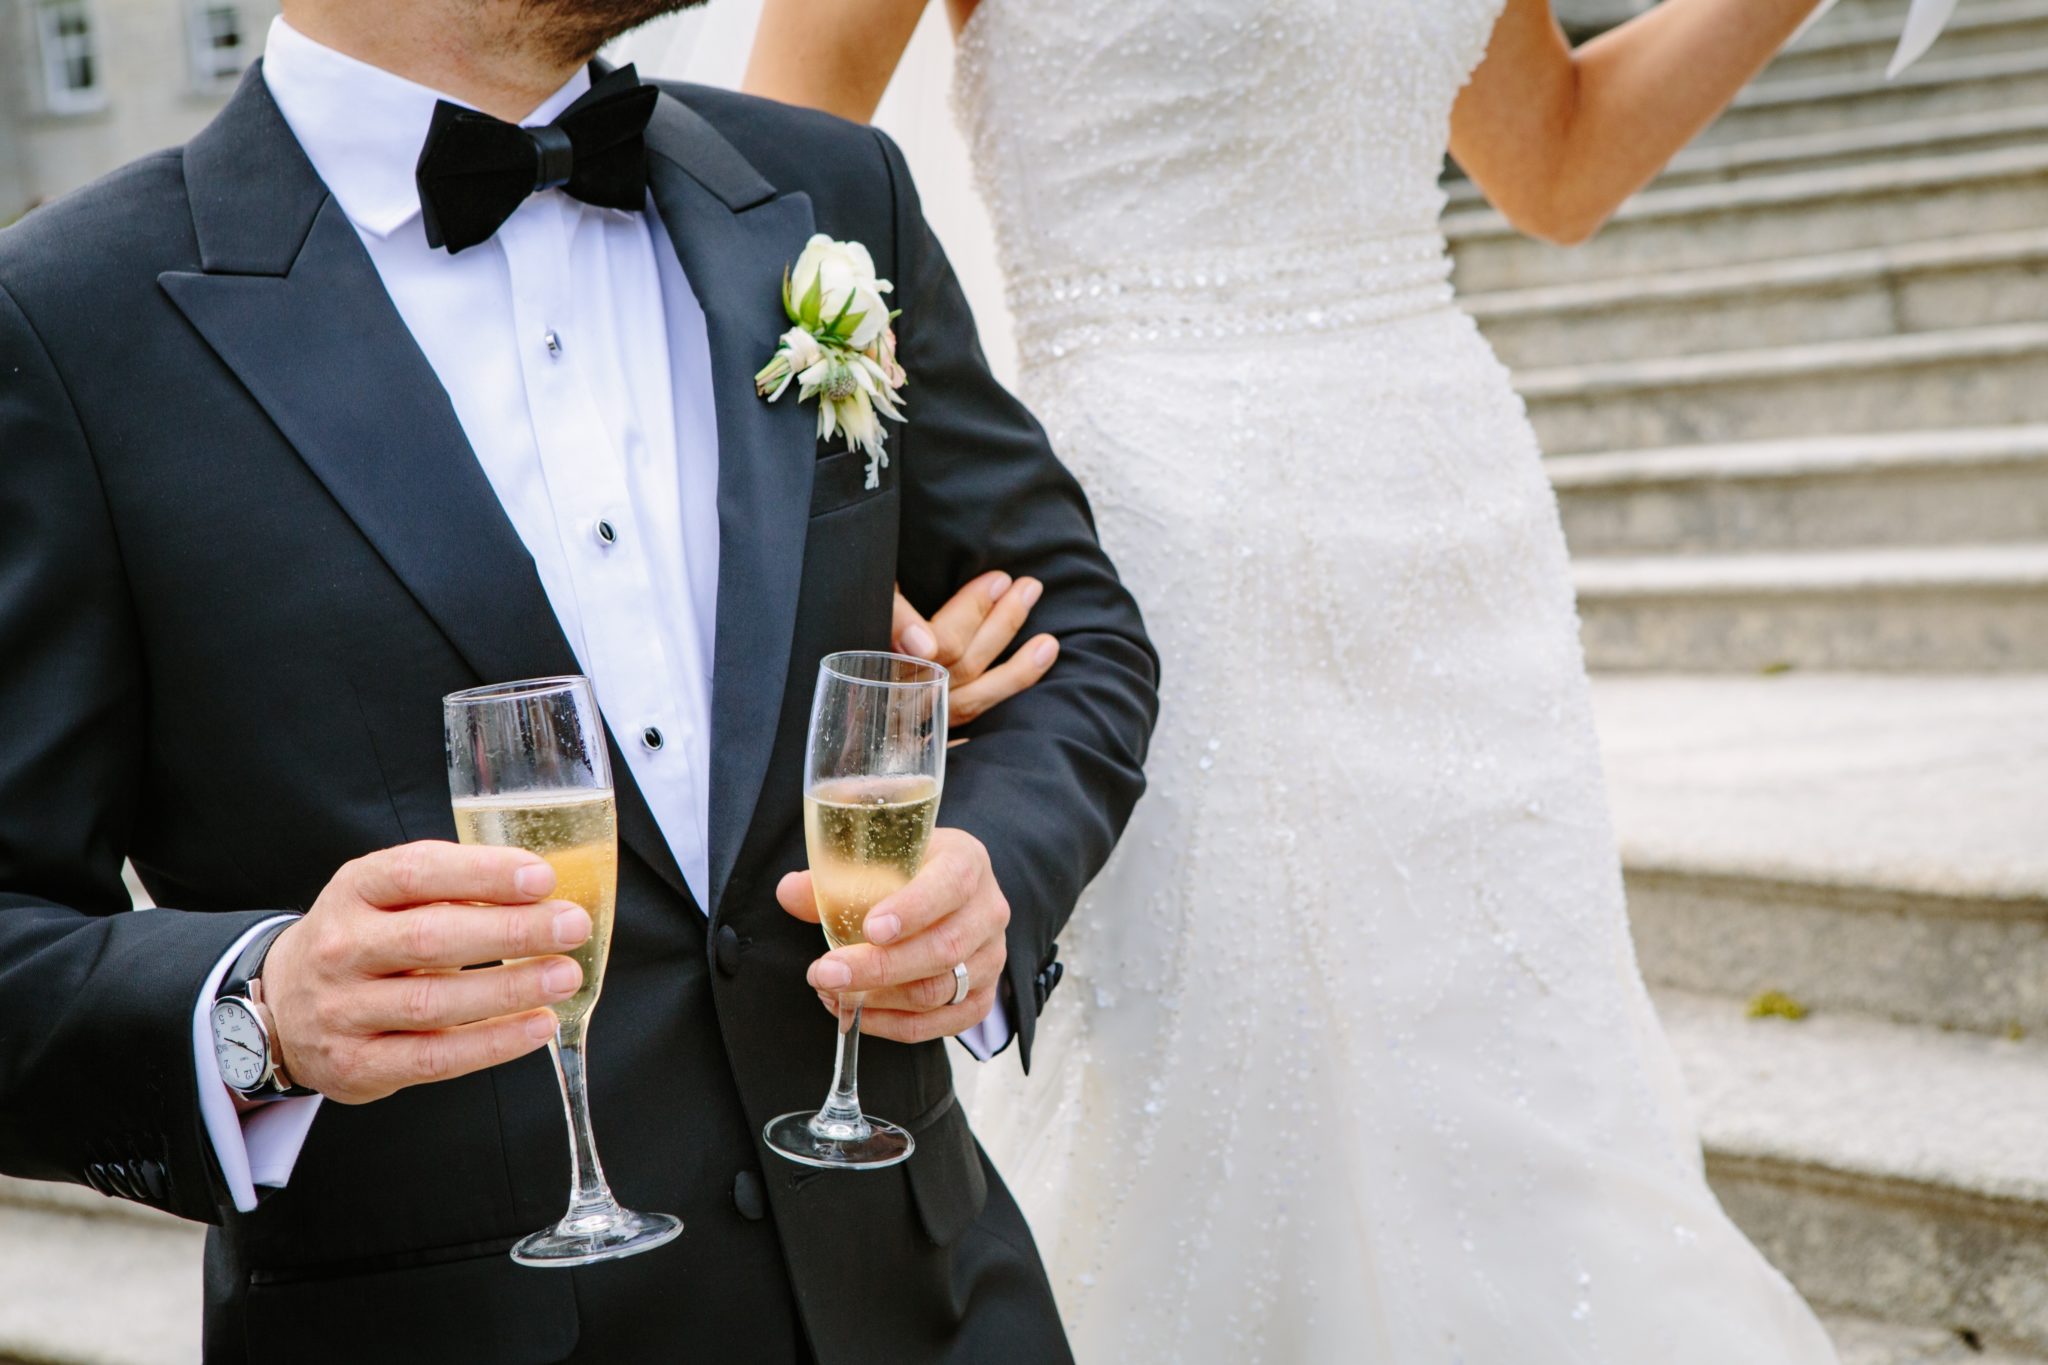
<point>1796,399</point>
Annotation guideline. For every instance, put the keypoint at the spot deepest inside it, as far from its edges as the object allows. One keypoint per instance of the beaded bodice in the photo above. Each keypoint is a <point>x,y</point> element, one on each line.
<point>1205,164</point>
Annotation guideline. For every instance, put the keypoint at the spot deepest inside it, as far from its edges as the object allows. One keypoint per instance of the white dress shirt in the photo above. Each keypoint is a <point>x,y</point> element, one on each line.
<point>577,359</point>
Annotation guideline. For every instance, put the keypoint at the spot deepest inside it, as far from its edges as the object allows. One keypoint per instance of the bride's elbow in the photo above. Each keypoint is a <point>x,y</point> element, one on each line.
<point>1556,223</point>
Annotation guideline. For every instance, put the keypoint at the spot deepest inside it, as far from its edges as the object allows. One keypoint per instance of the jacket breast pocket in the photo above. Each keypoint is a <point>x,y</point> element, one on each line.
<point>841,480</point>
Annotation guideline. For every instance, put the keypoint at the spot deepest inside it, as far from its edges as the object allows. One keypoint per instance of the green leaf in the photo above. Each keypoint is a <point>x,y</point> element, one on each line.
<point>813,304</point>
<point>1775,1005</point>
<point>843,327</point>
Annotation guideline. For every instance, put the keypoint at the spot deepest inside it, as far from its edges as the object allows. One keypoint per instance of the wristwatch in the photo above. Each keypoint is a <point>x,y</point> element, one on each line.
<point>243,1043</point>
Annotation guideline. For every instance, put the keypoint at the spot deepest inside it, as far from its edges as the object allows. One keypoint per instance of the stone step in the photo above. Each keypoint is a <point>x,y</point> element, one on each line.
<point>1894,1173</point>
<point>1934,86</point>
<point>1808,213</point>
<point>1969,281</point>
<point>1947,610</point>
<point>1868,844</point>
<point>1859,1341</point>
<point>1983,130</point>
<point>95,1281</point>
<point>1966,486</point>
<point>1850,43</point>
<point>1922,380</point>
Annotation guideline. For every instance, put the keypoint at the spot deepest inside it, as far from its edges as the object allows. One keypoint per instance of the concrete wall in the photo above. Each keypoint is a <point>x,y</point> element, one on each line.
<point>150,100</point>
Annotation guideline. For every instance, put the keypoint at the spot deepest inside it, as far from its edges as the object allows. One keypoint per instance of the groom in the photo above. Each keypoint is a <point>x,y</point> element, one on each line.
<point>292,443</point>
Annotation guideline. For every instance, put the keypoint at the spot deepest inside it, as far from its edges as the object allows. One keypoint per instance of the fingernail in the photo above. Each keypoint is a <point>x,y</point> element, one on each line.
<point>560,979</point>
<point>1033,590</point>
<point>920,642</point>
<point>536,879</point>
<point>1047,652</point>
<point>829,975</point>
<point>572,926</point>
<point>998,585</point>
<point>541,1027</point>
<point>881,928</point>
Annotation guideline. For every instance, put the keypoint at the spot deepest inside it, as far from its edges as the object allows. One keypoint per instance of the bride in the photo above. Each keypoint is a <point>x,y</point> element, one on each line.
<point>1354,1062</point>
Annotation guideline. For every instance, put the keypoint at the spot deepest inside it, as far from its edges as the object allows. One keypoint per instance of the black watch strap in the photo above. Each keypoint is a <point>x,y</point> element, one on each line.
<point>241,976</point>
<point>249,965</point>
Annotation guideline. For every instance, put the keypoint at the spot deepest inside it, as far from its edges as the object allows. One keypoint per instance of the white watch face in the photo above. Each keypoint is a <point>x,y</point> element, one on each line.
<point>239,1045</point>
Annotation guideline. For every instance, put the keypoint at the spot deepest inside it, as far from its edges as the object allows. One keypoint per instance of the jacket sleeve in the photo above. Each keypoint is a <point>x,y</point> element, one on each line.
<point>1050,777</point>
<point>97,1078</point>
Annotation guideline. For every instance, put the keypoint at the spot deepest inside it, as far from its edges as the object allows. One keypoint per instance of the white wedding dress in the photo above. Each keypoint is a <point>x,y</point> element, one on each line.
<point>1352,1065</point>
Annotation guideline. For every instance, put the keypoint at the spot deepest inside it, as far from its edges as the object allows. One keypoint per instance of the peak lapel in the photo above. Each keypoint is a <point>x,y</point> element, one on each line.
<point>735,238</point>
<point>290,301</point>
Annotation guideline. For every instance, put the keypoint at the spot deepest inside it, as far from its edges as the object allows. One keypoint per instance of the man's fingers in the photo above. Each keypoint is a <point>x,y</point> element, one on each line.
<point>954,866</point>
<point>428,871</point>
<point>957,621</point>
<point>1002,625</point>
<point>403,1059</point>
<point>429,1001</point>
<point>1019,673</point>
<point>936,992</point>
<point>794,894</point>
<point>911,633</point>
<point>463,935</point>
<point>904,1027</point>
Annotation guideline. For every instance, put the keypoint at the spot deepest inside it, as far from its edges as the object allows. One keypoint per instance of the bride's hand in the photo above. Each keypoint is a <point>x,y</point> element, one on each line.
<point>970,633</point>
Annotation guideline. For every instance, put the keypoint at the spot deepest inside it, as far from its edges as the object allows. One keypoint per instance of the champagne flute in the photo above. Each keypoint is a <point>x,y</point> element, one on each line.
<point>528,768</point>
<point>873,769</point>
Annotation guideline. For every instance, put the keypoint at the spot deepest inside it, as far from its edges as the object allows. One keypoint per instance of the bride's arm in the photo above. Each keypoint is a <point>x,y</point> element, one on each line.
<point>1558,138</point>
<point>835,55</point>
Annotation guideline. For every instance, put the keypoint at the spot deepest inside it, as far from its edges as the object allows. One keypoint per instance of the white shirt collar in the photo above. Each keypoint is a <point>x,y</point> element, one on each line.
<point>362,127</point>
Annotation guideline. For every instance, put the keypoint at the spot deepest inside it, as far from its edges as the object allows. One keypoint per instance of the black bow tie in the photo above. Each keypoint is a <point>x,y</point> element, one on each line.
<point>476,170</point>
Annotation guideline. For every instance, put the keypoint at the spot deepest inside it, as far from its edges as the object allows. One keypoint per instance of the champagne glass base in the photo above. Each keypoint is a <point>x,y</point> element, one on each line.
<point>793,1137</point>
<point>600,1237</point>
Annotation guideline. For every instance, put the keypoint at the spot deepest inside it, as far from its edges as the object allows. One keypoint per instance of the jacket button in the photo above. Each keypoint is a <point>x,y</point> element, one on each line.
<point>122,1180</point>
<point>748,1196</point>
<point>1047,981</point>
<point>726,948</point>
<point>156,1181</point>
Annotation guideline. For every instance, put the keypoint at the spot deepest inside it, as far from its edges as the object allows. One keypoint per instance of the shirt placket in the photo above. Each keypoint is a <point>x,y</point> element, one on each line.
<point>607,558</point>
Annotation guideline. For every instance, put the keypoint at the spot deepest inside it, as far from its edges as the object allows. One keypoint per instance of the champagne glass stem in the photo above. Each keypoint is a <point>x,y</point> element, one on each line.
<point>840,1119</point>
<point>588,1193</point>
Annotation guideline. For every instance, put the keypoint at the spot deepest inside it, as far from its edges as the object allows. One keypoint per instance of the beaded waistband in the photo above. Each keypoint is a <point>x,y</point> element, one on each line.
<point>1283,291</point>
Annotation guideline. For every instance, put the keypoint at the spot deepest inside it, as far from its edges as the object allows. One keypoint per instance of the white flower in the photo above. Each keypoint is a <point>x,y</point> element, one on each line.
<point>841,351</point>
<point>850,297</point>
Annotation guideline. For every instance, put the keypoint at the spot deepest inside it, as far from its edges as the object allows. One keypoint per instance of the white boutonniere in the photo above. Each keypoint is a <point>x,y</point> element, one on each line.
<point>841,348</point>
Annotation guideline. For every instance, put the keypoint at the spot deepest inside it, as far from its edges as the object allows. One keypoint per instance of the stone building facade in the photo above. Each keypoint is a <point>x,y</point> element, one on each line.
<point>86,85</point>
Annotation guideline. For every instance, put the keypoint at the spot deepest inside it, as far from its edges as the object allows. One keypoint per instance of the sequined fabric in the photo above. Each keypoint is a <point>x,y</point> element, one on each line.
<point>1353,1064</point>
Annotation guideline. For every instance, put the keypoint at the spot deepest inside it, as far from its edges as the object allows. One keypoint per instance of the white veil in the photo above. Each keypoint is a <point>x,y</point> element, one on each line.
<point>710,45</point>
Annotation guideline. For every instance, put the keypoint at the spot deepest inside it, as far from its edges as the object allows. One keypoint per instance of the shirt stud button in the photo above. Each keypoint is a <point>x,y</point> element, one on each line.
<point>606,533</point>
<point>553,341</point>
<point>650,740</point>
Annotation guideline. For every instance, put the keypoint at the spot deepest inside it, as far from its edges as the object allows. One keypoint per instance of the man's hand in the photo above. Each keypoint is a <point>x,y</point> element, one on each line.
<point>971,632</point>
<point>366,994</point>
<point>952,911</point>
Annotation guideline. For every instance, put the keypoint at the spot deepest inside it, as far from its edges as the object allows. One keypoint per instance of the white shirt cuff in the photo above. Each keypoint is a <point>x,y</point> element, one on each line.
<point>261,1147</point>
<point>991,1035</point>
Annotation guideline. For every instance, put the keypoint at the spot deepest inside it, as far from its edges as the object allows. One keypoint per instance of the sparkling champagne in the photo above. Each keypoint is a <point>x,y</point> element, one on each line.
<point>577,832</point>
<point>867,837</point>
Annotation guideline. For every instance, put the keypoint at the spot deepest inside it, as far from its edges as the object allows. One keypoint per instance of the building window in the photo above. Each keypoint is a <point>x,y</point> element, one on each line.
<point>219,53</point>
<point>69,42</point>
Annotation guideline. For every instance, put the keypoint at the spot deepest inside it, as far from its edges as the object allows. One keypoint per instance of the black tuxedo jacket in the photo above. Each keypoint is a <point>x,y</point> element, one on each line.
<point>245,548</point>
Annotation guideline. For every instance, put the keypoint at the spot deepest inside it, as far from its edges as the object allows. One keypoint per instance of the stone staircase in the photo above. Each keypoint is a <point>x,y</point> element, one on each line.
<point>1797,399</point>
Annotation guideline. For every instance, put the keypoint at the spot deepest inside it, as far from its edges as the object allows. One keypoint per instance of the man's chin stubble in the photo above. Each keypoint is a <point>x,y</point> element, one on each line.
<point>574,30</point>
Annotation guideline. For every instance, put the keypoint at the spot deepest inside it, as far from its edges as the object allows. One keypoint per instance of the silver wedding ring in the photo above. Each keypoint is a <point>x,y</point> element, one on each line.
<point>960,983</point>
